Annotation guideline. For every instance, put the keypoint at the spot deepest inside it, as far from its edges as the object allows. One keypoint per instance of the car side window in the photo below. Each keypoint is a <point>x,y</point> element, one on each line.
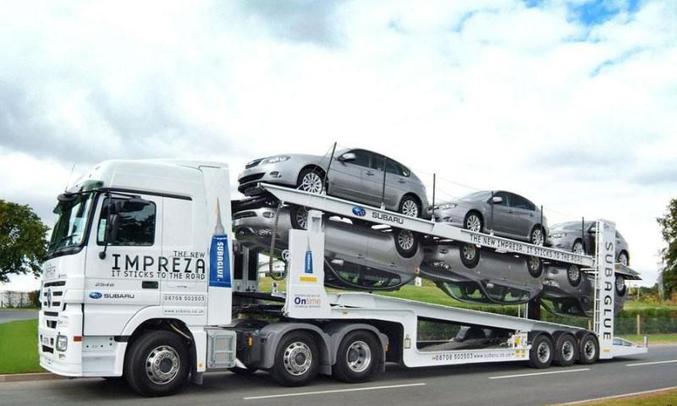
<point>136,224</point>
<point>361,158</point>
<point>395,168</point>
<point>519,202</point>
<point>377,161</point>
<point>504,196</point>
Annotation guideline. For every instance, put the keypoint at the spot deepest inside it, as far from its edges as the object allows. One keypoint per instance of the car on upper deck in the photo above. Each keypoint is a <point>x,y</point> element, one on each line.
<point>354,174</point>
<point>579,237</point>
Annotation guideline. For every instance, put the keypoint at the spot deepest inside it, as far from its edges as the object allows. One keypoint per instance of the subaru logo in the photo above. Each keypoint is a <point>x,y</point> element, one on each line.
<point>359,211</point>
<point>95,295</point>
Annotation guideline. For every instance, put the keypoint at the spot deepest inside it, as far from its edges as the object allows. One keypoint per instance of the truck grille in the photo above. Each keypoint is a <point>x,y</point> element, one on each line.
<point>52,303</point>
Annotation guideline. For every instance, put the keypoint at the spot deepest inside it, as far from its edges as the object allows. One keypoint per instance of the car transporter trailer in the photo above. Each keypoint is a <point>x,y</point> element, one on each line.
<point>306,330</point>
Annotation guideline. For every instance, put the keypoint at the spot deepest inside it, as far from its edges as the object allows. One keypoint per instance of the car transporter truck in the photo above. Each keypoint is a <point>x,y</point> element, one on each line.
<point>145,281</point>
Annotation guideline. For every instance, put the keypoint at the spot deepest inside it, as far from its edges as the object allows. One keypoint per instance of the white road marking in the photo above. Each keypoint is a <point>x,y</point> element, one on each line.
<point>322,392</point>
<point>566,371</point>
<point>637,364</point>
<point>578,402</point>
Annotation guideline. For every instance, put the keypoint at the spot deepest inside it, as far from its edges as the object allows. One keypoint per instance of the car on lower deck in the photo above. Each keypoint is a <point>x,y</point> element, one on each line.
<point>356,256</point>
<point>569,291</point>
<point>354,174</point>
<point>494,279</point>
<point>503,213</point>
<point>579,237</point>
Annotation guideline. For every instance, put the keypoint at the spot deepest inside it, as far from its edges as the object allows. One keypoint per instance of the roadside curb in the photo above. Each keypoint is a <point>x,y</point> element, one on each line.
<point>38,376</point>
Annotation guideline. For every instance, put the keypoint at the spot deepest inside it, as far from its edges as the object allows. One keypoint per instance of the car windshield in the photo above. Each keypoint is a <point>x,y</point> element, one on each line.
<point>477,196</point>
<point>72,213</point>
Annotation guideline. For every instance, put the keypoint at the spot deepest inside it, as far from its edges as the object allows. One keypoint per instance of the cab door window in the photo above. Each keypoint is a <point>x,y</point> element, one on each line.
<point>136,222</point>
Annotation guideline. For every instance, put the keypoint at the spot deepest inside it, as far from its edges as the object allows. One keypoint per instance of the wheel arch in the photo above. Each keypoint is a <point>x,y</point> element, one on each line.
<point>338,331</point>
<point>275,332</point>
<point>311,166</point>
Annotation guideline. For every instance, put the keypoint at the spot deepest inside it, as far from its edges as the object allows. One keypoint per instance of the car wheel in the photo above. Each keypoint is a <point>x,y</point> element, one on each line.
<point>623,259</point>
<point>621,289</point>
<point>574,275</point>
<point>409,206</point>
<point>535,266</point>
<point>157,364</point>
<point>470,255</point>
<point>542,352</point>
<point>357,358</point>
<point>406,242</point>
<point>298,215</point>
<point>473,222</point>
<point>566,350</point>
<point>577,248</point>
<point>537,236</point>
<point>588,349</point>
<point>311,180</point>
<point>297,359</point>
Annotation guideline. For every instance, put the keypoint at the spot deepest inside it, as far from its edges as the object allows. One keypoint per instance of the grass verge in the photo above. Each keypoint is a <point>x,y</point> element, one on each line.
<point>653,338</point>
<point>662,398</point>
<point>19,347</point>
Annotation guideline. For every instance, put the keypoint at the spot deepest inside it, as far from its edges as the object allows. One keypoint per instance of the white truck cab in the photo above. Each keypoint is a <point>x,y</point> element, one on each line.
<point>137,245</point>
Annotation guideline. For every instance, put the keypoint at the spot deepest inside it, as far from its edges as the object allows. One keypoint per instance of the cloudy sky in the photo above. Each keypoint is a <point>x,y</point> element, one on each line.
<point>571,103</point>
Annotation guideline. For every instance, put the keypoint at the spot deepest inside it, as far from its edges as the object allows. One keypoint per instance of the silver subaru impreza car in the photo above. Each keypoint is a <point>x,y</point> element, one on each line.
<point>569,291</point>
<point>506,214</point>
<point>579,237</point>
<point>356,256</point>
<point>354,174</point>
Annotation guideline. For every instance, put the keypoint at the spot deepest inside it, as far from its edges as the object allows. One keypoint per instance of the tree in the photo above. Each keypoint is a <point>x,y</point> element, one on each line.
<point>23,240</point>
<point>668,225</point>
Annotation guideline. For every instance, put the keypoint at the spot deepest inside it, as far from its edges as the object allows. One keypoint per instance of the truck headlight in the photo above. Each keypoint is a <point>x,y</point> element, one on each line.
<point>61,343</point>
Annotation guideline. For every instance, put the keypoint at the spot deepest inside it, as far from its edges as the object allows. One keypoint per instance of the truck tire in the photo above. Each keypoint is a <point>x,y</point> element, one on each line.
<point>566,350</point>
<point>157,364</point>
<point>297,359</point>
<point>588,349</point>
<point>542,352</point>
<point>358,357</point>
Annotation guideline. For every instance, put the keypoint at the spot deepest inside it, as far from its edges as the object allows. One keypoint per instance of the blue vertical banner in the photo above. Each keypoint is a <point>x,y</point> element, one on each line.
<point>309,260</point>
<point>219,259</point>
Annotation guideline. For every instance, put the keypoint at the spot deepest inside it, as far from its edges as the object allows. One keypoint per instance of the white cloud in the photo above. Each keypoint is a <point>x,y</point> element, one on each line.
<point>491,94</point>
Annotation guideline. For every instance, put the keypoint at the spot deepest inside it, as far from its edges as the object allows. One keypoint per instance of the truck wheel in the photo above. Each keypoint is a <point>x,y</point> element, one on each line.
<point>297,359</point>
<point>470,255</point>
<point>357,358</point>
<point>566,350</point>
<point>589,349</point>
<point>542,352</point>
<point>157,364</point>
<point>406,242</point>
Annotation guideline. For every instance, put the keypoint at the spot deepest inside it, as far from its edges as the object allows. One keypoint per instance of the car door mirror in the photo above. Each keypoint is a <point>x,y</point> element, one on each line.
<point>496,200</point>
<point>347,157</point>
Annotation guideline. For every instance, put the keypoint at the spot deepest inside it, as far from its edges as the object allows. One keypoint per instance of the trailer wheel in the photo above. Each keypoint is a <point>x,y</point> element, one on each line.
<point>157,364</point>
<point>542,352</point>
<point>470,255</point>
<point>566,350</point>
<point>589,349</point>
<point>358,357</point>
<point>297,359</point>
<point>535,266</point>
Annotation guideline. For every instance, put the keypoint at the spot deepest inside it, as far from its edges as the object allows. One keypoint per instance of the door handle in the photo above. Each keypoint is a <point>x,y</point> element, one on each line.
<point>149,285</point>
<point>370,173</point>
<point>402,181</point>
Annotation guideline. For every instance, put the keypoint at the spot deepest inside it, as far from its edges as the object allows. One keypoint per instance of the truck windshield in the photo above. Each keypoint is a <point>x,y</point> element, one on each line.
<point>72,213</point>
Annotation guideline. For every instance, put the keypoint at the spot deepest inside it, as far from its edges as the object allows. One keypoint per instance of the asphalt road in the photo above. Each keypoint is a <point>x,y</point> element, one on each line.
<point>12,315</point>
<point>504,384</point>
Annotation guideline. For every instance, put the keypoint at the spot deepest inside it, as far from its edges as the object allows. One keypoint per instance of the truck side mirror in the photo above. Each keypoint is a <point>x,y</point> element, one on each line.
<point>112,225</point>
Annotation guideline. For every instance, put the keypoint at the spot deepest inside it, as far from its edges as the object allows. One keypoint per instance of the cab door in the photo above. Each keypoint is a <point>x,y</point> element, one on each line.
<point>125,279</point>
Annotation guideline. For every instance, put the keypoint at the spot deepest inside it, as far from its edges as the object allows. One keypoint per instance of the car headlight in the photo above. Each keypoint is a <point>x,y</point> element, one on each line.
<point>276,159</point>
<point>558,235</point>
<point>61,343</point>
<point>447,206</point>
